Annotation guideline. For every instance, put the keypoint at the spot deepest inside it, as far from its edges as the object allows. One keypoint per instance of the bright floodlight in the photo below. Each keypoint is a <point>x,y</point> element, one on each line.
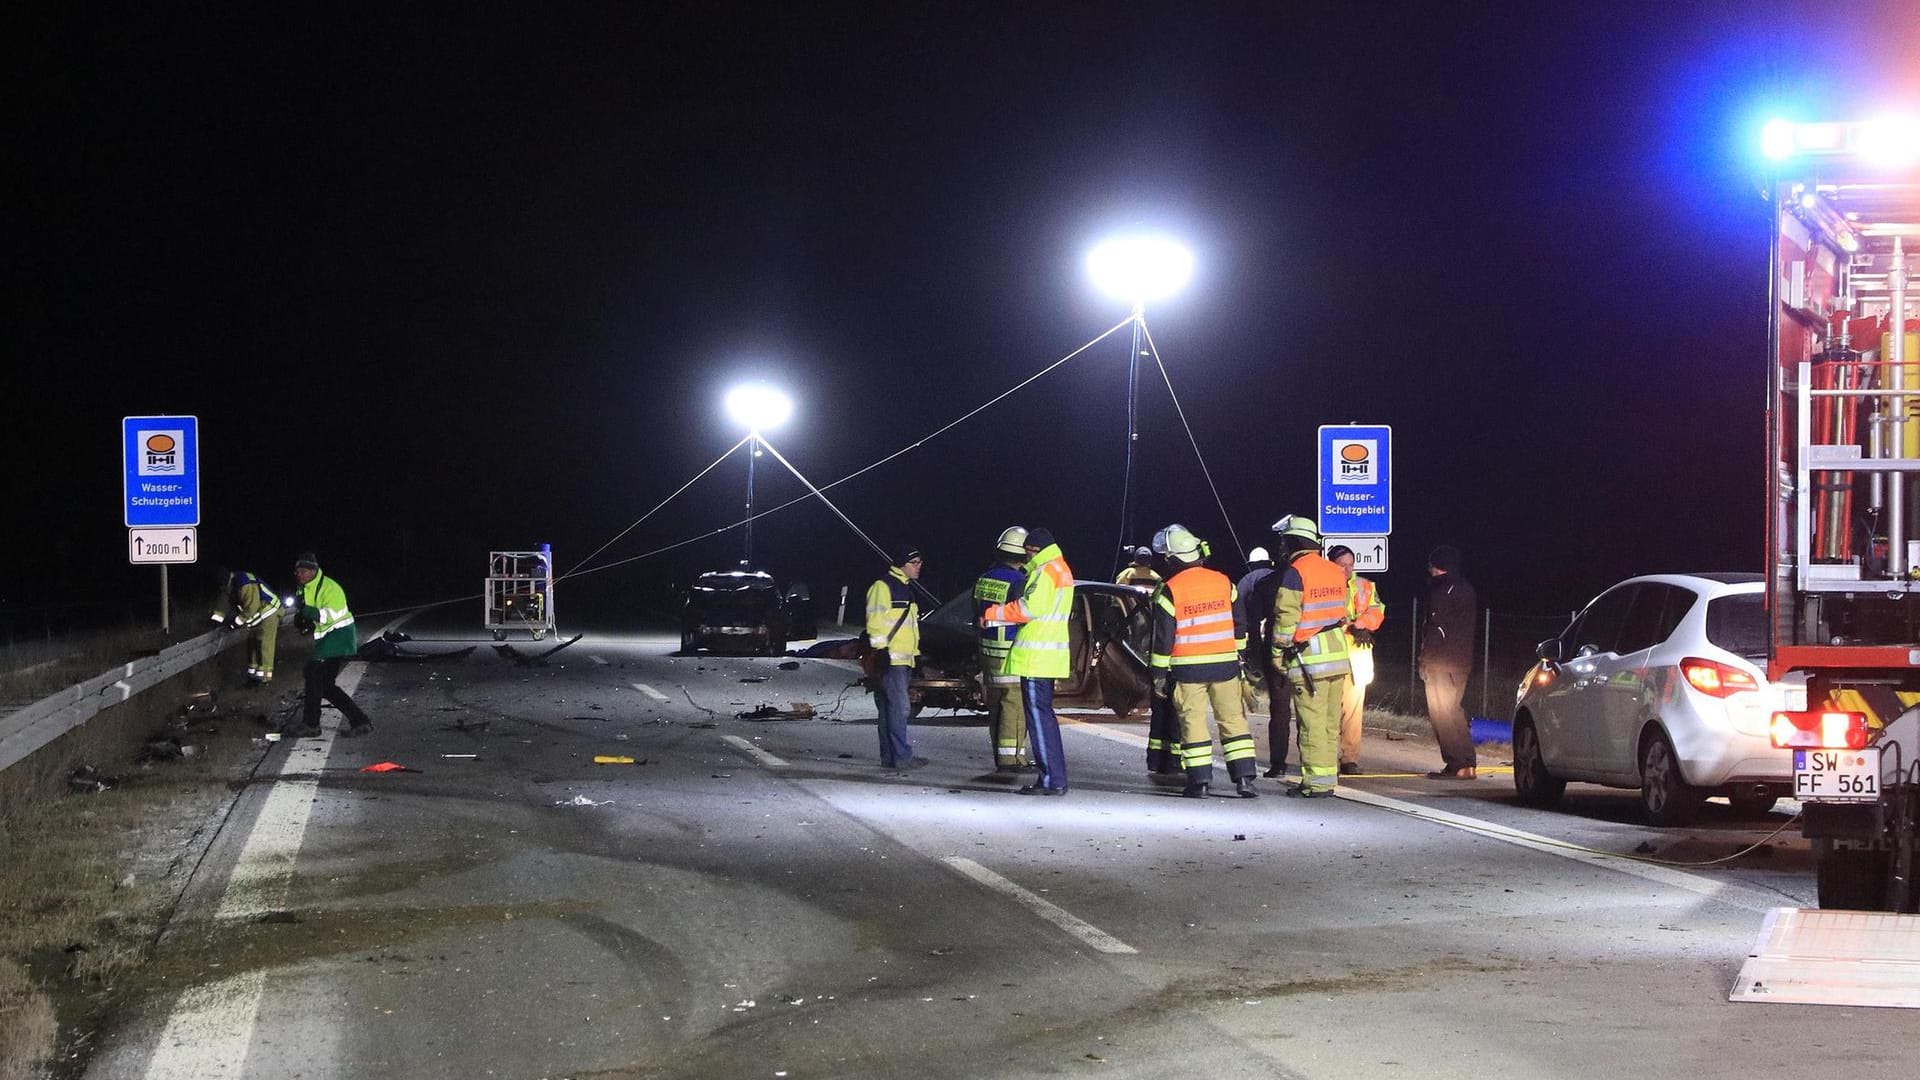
<point>1140,268</point>
<point>758,407</point>
<point>1776,140</point>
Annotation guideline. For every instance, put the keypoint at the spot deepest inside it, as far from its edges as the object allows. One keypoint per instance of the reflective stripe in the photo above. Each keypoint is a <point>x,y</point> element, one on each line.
<point>1024,645</point>
<point>1192,639</point>
<point>1198,619</point>
<point>1004,680</point>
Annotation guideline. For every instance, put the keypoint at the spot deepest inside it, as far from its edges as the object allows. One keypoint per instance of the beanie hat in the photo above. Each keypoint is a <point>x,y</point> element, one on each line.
<point>1040,538</point>
<point>1445,557</point>
<point>306,560</point>
<point>904,554</point>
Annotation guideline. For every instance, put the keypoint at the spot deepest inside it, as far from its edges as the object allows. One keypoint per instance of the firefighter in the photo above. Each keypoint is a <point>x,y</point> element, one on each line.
<point>1365,613</point>
<point>246,603</point>
<point>323,612</point>
<point>893,632</point>
<point>1041,652</point>
<point>1199,630</point>
<point>1309,645</point>
<point>1140,571</point>
<point>1256,598</point>
<point>1006,719</point>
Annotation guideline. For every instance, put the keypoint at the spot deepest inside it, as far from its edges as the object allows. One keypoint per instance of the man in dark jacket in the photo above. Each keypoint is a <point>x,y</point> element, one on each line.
<point>1446,659</point>
<point>1258,587</point>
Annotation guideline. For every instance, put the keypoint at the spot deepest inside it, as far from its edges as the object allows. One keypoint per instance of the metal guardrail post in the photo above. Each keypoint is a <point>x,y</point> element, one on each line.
<point>1486,660</point>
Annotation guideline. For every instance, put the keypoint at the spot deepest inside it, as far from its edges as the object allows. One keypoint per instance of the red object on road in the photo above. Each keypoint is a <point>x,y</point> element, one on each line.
<point>388,766</point>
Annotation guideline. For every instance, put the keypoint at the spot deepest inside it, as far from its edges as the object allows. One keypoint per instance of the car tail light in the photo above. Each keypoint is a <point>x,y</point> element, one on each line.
<point>1715,679</point>
<point>1819,730</point>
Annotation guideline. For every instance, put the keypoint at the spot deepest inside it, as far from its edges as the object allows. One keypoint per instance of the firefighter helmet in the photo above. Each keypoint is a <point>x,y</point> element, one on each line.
<point>1012,541</point>
<point>1302,527</point>
<point>1178,542</point>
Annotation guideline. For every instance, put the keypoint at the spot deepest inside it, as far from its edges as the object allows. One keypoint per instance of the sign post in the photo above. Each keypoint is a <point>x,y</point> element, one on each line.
<point>160,485</point>
<point>1356,481</point>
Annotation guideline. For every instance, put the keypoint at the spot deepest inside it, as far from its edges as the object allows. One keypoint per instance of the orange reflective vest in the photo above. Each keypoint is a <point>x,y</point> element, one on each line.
<point>1309,611</point>
<point>1199,627</point>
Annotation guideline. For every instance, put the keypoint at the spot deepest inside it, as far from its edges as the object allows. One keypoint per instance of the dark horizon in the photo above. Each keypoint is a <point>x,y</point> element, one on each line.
<point>440,286</point>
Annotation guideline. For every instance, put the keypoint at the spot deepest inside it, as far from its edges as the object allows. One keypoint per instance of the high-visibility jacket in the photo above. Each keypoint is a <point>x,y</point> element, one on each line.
<point>888,599</point>
<point>1365,611</point>
<point>998,585</point>
<point>1199,627</point>
<point>247,601</point>
<point>323,609</point>
<point>1137,575</point>
<point>1309,613</point>
<point>1041,647</point>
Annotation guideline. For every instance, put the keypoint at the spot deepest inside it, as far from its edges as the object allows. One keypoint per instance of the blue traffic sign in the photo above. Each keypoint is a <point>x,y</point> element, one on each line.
<point>1356,480</point>
<point>162,482</point>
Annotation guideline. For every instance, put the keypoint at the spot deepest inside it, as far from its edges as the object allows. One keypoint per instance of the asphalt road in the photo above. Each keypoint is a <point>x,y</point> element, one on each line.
<point>760,899</point>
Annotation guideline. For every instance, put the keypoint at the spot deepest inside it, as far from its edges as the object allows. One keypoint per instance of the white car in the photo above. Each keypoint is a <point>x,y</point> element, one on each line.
<point>1658,684</point>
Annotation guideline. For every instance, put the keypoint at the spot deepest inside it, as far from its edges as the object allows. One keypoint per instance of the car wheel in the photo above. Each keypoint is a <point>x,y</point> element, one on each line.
<point>1749,804</point>
<point>1665,794</point>
<point>1848,879</point>
<point>1531,780</point>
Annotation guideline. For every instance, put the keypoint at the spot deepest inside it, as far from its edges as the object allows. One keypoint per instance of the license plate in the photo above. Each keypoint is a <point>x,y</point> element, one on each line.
<point>1837,775</point>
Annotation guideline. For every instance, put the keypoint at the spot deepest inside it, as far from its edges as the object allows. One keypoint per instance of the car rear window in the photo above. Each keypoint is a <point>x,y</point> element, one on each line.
<point>1738,624</point>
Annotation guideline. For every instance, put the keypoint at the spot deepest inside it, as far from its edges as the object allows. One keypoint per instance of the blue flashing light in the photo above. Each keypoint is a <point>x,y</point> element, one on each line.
<point>1776,140</point>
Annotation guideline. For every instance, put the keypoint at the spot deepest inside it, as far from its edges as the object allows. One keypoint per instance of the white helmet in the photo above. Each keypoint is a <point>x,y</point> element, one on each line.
<point>1176,542</point>
<point>1012,541</point>
<point>1259,555</point>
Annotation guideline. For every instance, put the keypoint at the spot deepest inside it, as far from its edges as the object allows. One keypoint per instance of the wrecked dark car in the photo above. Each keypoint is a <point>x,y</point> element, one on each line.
<point>743,612</point>
<point>1109,637</point>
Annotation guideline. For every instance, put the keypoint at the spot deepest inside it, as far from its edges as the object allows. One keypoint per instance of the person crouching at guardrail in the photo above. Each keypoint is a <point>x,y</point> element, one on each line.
<point>245,603</point>
<point>321,610</point>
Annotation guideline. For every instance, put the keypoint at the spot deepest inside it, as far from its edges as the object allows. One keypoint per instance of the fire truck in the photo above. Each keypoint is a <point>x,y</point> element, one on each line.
<point>1843,480</point>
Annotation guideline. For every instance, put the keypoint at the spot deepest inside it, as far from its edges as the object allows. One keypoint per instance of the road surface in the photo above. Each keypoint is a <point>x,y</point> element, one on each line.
<point>760,899</point>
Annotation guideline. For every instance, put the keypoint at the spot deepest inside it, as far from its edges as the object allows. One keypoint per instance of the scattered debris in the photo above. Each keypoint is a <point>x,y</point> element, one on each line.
<point>723,776</point>
<point>944,950</point>
<point>87,779</point>
<point>387,767</point>
<point>278,916</point>
<point>612,759</point>
<point>1243,836</point>
<point>703,724</point>
<point>386,649</point>
<point>846,755</point>
<point>162,748</point>
<point>477,727</point>
<point>795,710</point>
<point>508,652</point>
<point>462,757</point>
<point>755,678</point>
<point>790,665</point>
<point>1645,847</point>
<point>582,800</point>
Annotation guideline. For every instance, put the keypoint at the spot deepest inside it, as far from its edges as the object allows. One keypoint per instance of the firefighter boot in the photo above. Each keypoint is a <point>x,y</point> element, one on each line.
<point>1244,787</point>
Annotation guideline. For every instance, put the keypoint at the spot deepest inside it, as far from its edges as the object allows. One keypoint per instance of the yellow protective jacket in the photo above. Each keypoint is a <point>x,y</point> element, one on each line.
<point>1309,618</point>
<point>888,599</point>
<point>1042,648</point>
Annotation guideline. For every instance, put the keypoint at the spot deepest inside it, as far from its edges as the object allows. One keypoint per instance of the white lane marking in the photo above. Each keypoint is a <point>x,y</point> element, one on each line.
<point>1068,723</point>
<point>649,691</point>
<point>601,660</point>
<point>1041,906</point>
<point>1727,892</point>
<point>211,1026</point>
<point>753,751</point>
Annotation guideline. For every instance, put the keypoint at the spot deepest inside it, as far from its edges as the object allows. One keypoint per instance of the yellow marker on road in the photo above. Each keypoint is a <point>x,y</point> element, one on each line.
<point>611,759</point>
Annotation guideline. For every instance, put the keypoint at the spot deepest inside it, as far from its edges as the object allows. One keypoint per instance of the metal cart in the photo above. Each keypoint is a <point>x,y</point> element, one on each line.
<point>519,593</point>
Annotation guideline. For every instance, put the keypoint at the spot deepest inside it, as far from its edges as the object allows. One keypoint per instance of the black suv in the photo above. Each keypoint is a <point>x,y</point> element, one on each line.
<point>743,612</point>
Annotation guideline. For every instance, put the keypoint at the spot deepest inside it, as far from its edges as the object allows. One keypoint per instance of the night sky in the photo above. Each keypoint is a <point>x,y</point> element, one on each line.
<point>437,283</point>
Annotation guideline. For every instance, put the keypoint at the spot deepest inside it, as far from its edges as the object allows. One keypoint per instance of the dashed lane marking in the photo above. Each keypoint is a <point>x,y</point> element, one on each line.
<point>1088,933</point>
<point>649,691</point>
<point>753,751</point>
<point>601,660</point>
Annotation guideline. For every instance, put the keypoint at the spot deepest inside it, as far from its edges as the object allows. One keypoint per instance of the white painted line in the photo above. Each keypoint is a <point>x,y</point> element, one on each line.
<point>649,691</point>
<point>601,660</point>
<point>754,752</point>
<point>211,1026</point>
<point>1727,892</point>
<point>1088,933</point>
<point>1068,723</point>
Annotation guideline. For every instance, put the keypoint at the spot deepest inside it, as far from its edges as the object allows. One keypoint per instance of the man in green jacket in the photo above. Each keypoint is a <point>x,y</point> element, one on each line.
<point>323,612</point>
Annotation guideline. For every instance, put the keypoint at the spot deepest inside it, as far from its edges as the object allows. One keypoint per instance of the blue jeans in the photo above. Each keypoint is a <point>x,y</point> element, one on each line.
<point>1043,732</point>
<point>891,695</point>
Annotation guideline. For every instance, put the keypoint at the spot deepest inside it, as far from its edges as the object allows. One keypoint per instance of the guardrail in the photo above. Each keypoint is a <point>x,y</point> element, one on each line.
<point>27,730</point>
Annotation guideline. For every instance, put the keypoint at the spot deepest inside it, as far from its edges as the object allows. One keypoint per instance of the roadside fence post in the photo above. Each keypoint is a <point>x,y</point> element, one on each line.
<point>1486,661</point>
<point>1413,656</point>
<point>841,619</point>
